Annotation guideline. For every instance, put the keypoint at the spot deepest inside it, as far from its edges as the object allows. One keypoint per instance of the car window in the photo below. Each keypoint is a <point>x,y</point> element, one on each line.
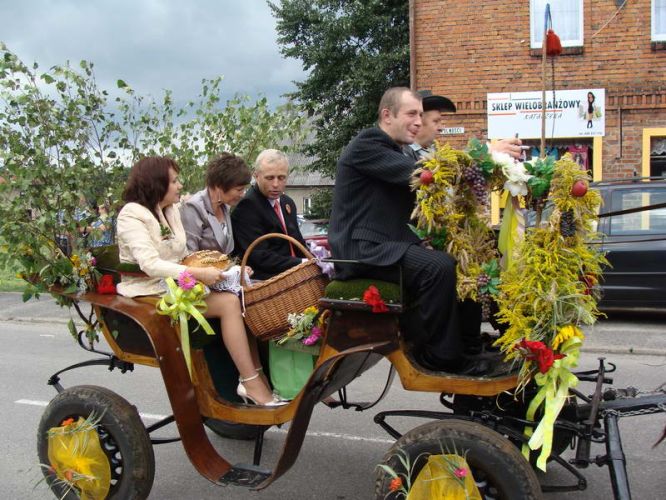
<point>648,222</point>
<point>309,228</point>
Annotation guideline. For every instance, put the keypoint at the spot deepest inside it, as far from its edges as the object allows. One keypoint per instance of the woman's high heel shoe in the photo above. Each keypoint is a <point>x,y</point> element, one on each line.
<point>242,392</point>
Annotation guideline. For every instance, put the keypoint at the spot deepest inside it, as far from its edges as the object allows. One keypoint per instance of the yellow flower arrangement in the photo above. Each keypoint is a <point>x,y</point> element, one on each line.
<point>567,332</point>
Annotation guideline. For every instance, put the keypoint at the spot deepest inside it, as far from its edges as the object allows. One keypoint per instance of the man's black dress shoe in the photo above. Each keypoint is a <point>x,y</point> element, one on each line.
<point>472,367</point>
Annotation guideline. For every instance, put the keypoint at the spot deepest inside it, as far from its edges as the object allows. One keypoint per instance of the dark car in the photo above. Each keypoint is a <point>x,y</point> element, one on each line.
<point>635,244</point>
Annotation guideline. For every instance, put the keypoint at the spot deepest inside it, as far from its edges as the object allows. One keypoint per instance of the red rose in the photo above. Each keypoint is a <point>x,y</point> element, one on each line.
<point>538,352</point>
<point>106,285</point>
<point>372,297</point>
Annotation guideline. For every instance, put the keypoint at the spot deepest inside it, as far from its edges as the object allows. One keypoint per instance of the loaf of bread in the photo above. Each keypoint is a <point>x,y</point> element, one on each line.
<point>205,258</point>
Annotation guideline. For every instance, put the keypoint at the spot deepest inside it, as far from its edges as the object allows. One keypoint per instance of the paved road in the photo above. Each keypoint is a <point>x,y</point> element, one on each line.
<point>342,447</point>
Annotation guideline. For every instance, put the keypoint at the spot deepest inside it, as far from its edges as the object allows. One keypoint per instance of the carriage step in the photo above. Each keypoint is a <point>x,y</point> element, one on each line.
<point>245,475</point>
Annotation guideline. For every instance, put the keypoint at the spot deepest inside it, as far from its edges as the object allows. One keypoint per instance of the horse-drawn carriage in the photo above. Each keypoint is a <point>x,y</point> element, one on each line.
<point>547,292</point>
<point>478,414</point>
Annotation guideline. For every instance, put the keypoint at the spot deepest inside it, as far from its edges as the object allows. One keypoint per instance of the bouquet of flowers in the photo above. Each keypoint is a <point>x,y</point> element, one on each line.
<point>307,327</point>
<point>181,302</point>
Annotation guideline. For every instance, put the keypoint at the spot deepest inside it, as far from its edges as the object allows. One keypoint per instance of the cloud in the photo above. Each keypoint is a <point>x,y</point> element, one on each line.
<point>156,44</point>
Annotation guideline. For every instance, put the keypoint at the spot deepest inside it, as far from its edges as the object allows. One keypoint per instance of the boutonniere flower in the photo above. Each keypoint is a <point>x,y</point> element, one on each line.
<point>287,207</point>
<point>165,232</point>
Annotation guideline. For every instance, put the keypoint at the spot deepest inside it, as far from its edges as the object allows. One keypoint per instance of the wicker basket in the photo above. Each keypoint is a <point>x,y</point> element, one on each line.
<point>268,303</point>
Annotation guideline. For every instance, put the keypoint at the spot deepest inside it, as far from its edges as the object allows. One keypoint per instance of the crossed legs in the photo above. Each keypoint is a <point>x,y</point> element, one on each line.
<point>241,347</point>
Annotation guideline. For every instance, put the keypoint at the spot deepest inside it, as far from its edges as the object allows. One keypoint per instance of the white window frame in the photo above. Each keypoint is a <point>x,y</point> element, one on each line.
<point>536,44</point>
<point>307,204</point>
<point>656,37</point>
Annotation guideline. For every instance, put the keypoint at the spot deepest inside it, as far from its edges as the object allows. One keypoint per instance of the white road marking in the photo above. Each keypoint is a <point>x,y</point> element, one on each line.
<point>47,335</point>
<point>31,402</point>
<point>335,435</point>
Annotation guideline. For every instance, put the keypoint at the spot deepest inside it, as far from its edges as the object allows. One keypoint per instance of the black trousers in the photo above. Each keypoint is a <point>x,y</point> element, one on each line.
<point>438,323</point>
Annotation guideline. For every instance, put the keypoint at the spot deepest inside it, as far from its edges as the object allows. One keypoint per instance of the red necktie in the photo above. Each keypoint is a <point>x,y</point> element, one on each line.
<point>278,212</point>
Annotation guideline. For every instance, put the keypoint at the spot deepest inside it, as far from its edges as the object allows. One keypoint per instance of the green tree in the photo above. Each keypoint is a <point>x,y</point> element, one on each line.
<point>321,203</point>
<point>64,146</point>
<point>354,51</point>
<point>202,128</point>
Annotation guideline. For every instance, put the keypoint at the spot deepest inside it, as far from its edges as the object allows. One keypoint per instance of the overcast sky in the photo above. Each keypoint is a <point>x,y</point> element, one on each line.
<point>156,44</point>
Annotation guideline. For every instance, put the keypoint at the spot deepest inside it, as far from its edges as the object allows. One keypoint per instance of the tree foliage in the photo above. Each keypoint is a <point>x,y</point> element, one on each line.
<point>354,51</point>
<point>321,203</point>
<point>66,146</point>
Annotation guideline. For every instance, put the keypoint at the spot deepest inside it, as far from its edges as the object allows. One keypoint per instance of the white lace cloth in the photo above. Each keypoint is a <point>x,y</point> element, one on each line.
<point>231,281</point>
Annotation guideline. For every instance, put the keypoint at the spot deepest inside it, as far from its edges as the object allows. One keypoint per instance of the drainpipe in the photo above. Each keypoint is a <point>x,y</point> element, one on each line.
<point>412,47</point>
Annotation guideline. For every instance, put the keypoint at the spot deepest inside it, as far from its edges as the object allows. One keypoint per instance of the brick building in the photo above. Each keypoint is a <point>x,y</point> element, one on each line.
<point>465,50</point>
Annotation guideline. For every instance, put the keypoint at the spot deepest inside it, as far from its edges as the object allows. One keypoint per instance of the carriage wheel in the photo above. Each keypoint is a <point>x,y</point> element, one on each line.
<point>500,471</point>
<point>122,436</point>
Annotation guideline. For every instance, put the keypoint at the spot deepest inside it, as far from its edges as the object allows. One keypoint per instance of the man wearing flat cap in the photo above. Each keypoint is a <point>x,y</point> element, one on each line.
<point>431,123</point>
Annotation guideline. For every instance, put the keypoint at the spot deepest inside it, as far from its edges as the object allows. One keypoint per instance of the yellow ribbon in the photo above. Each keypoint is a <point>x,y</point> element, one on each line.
<point>180,305</point>
<point>554,390</point>
<point>512,230</point>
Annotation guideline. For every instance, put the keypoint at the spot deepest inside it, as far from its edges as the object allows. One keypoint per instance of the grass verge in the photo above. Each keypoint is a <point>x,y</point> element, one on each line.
<point>9,282</point>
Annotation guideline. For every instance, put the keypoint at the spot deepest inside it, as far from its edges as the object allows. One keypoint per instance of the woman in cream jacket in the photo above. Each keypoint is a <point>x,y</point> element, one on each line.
<point>150,234</point>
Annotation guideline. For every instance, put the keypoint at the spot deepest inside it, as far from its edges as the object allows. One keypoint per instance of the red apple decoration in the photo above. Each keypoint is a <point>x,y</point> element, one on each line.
<point>426,177</point>
<point>579,189</point>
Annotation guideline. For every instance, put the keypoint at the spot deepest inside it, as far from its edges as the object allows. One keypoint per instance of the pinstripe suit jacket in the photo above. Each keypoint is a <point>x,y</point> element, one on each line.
<point>372,202</point>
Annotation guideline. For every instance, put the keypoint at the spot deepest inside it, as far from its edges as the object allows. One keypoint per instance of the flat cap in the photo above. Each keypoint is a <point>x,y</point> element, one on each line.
<point>438,102</point>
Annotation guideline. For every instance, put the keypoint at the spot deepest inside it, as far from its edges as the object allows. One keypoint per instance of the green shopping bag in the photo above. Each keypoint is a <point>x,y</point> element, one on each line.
<point>290,365</point>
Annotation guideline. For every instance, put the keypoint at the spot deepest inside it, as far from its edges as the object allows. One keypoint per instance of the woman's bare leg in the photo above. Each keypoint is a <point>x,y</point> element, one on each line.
<point>226,306</point>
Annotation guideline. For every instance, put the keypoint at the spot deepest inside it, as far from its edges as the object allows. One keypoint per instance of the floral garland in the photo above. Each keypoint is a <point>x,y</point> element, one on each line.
<point>546,295</point>
<point>545,288</point>
<point>451,212</point>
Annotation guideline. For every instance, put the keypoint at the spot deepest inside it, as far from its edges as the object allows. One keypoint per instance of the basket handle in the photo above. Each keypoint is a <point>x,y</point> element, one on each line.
<point>293,241</point>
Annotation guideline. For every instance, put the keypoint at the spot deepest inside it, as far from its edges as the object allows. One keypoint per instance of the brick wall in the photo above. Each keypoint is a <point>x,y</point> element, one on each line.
<point>464,50</point>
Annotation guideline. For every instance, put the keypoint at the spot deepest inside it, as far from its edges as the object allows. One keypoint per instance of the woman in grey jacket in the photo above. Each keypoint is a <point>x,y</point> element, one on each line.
<point>205,215</point>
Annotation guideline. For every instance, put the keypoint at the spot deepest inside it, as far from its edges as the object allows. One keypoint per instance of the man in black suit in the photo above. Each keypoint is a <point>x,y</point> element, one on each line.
<point>266,209</point>
<point>372,204</point>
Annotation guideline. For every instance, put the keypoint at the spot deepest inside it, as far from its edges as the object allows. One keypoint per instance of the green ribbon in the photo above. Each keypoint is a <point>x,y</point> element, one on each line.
<point>181,305</point>
<point>553,393</point>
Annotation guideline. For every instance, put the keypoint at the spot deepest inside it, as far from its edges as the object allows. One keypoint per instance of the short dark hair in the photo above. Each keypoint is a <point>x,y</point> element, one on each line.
<point>227,171</point>
<point>392,99</point>
<point>148,181</point>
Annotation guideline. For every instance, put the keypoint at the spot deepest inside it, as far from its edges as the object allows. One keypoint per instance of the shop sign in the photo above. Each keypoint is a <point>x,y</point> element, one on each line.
<point>570,113</point>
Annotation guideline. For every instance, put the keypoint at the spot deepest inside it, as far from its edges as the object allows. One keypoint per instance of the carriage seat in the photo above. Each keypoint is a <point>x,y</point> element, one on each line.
<point>108,262</point>
<point>354,289</point>
<point>349,295</point>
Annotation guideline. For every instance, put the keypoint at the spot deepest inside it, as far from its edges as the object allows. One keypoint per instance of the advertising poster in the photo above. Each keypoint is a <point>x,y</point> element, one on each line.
<point>571,113</point>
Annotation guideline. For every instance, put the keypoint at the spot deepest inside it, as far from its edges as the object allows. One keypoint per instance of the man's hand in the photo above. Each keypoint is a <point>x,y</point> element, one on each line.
<point>508,146</point>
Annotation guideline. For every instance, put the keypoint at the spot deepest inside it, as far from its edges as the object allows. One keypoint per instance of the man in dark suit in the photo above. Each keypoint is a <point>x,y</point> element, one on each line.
<point>266,209</point>
<point>372,204</point>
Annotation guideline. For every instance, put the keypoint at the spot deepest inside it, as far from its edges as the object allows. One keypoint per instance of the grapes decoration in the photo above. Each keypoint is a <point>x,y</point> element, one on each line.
<point>567,224</point>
